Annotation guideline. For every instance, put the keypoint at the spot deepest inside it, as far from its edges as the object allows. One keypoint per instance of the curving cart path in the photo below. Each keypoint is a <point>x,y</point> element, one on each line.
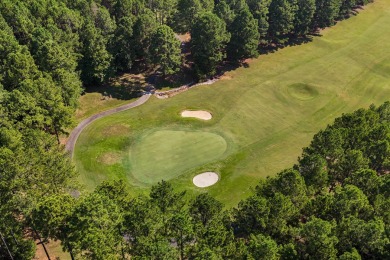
<point>70,144</point>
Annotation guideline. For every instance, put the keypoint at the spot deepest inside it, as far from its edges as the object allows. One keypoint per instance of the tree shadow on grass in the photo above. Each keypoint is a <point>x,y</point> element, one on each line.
<point>123,87</point>
<point>183,77</point>
<point>230,66</point>
<point>280,43</point>
<point>301,40</point>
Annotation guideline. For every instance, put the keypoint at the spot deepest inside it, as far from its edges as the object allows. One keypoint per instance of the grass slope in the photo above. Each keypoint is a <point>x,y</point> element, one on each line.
<point>266,113</point>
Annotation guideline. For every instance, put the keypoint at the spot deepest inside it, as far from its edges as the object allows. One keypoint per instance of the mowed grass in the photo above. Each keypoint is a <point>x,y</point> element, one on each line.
<point>94,102</point>
<point>118,92</point>
<point>166,154</point>
<point>265,113</point>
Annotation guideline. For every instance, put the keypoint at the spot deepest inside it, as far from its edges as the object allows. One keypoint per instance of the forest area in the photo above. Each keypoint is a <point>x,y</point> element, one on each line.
<point>334,203</point>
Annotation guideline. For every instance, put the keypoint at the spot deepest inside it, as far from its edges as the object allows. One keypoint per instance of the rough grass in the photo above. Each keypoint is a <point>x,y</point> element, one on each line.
<point>110,158</point>
<point>255,111</point>
<point>117,93</point>
<point>93,103</point>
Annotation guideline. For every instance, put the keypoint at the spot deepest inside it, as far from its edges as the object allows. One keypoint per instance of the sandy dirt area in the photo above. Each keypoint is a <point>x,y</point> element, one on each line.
<point>200,114</point>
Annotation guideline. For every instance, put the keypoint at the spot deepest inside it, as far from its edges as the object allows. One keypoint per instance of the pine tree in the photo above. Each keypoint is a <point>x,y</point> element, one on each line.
<point>304,17</point>
<point>281,18</point>
<point>244,36</point>
<point>165,50</point>
<point>208,42</point>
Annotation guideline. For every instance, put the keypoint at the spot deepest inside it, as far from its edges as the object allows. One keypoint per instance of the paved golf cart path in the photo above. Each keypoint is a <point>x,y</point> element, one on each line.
<point>70,144</point>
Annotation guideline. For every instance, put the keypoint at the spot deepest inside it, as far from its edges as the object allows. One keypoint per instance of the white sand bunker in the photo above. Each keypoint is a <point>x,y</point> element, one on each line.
<point>200,114</point>
<point>205,179</point>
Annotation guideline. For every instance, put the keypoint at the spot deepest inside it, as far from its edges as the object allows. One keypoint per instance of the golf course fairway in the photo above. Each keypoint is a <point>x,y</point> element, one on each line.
<point>263,115</point>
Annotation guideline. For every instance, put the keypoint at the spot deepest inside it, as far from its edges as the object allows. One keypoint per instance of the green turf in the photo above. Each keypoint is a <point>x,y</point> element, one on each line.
<point>266,113</point>
<point>302,91</point>
<point>166,154</point>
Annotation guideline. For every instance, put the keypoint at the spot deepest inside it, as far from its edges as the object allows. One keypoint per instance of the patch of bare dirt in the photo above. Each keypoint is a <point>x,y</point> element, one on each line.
<point>225,77</point>
<point>116,130</point>
<point>110,158</point>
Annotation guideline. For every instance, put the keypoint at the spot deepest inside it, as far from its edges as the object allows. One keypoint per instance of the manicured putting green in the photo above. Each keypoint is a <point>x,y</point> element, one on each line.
<point>166,154</point>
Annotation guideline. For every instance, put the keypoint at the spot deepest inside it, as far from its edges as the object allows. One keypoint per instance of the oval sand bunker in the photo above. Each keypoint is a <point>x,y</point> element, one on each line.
<point>200,114</point>
<point>205,179</point>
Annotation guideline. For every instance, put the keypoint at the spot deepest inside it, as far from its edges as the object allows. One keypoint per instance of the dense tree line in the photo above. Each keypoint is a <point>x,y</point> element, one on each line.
<point>334,203</point>
<point>92,40</point>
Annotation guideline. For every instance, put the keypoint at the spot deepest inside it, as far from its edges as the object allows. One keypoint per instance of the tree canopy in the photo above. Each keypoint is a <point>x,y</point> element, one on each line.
<point>208,42</point>
<point>333,203</point>
<point>88,42</point>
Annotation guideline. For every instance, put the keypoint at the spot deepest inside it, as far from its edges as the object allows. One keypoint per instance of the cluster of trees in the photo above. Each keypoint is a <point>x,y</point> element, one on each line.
<point>91,40</point>
<point>39,88</point>
<point>234,29</point>
<point>334,203</point>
